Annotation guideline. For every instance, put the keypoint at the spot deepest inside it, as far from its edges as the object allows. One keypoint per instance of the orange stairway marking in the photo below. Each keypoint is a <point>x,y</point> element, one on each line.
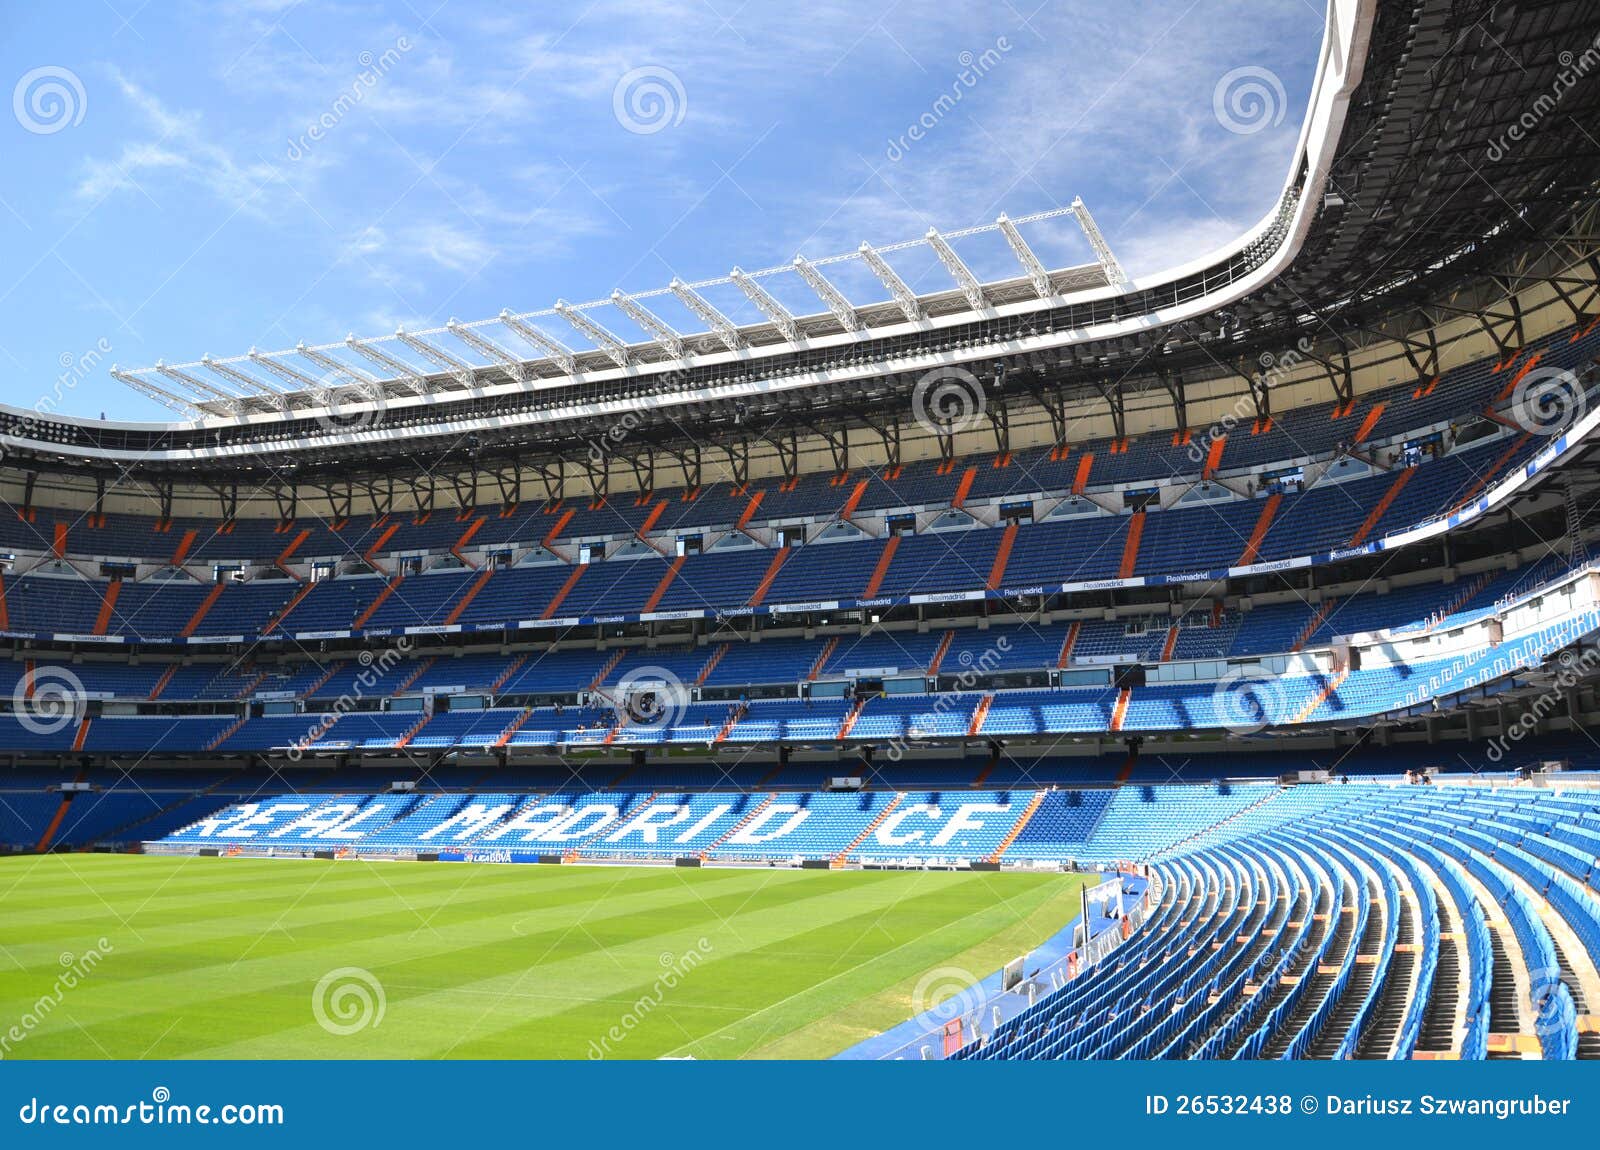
<point>370,554</point>
<point>1067,644</point>
<point>849,722</point>
<point>1369,423</point>
<point>1381,506</point>
<point>108,604</point>
<point>839,859</point>
<point>1171,643</point>
<point>979,714</point>
<point>749,511</point>
<point>1316,621</point>
<point>1214,456</point>
<point>560,596</point>
<point>1128,764</point>
<point>82,736</point>
<point>184,545</point>
<point>1002,554</point>
<point>1081,480</point>
<point>882,568</point>
<point>416,729</point>
<point>711,664</point>
<point>504,676</point>
<point>417,672</point>
<point>1016,829</point>
<point>766,801</point>
<point>201,611</point>
<point>161,683</point>
<point>778,560</point>
<point>822,659</point>
<point>389,588</point>
<point>851,503</point>
<point>466,538</point>
<point>1510,388</point>
<point>60,544</point>
<point>288,552</point>
<point>516,725</point>
<point>1263,522</point>
<point>1120,711</point>
<point>561,525</point>
<point>1130,546</point>
<point>55,823</point>
<point>471,593</point>
<point>666,580</point>
<point>651,519</point>
<point>964,487</point>
<point>938,655</point>
<point>1321,697</point>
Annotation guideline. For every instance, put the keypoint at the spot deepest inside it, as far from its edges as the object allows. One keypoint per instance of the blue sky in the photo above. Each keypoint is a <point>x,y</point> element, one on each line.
<point>162,194</point>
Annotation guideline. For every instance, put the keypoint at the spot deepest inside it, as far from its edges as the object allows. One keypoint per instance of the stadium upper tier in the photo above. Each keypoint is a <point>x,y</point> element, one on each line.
<point>1126,513</point>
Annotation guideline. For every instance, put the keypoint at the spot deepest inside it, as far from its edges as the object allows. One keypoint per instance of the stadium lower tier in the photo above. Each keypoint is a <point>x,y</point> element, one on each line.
<point>1322,920</point>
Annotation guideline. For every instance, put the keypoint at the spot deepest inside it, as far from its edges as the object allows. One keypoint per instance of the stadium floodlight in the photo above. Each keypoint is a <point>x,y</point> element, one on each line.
<point>769,307</point>
<point>296,379</point>
<point>399,370</point>
<point>233,375</point>
<point>152,391</point>
<point>958,269</point>
<point>1031,263</point>
<point>592,331</point>
<point>659,329</point>
<point>910,307</point>
<point>459,369</point>
<point>334,369</point>
<point>484,346</point>
<point>828,294</point>
<point>720,324</point>
<point>531,335</point>
<point>1097,242</point>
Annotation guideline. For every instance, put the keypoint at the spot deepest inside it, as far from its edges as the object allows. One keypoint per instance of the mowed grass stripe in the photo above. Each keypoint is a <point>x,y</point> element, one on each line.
<point>516,961</point>
<point>296,952</point>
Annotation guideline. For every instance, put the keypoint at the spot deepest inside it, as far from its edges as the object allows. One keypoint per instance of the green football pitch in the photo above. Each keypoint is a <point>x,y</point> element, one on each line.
<point>128,957</point>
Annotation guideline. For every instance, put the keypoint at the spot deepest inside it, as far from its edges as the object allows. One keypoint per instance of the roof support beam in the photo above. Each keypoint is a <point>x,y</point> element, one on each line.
<point>199,386</point>
<point>1097,242</point>
<point>400,371</point>
<point>460,370</point>
<point>254,386</point>
<point>828,294</point>
<point>658,329</point>
<point>160,394</point>
<point>487,348</point>
<point>769,307</point>
<point>1031,264</point>
<point>599,336</point>
<point>719,324</point>
<point>295,379</point>
<point>902,295</point>
<point>554,348</point>
<point>959,271</point>
<point>333,368</point>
